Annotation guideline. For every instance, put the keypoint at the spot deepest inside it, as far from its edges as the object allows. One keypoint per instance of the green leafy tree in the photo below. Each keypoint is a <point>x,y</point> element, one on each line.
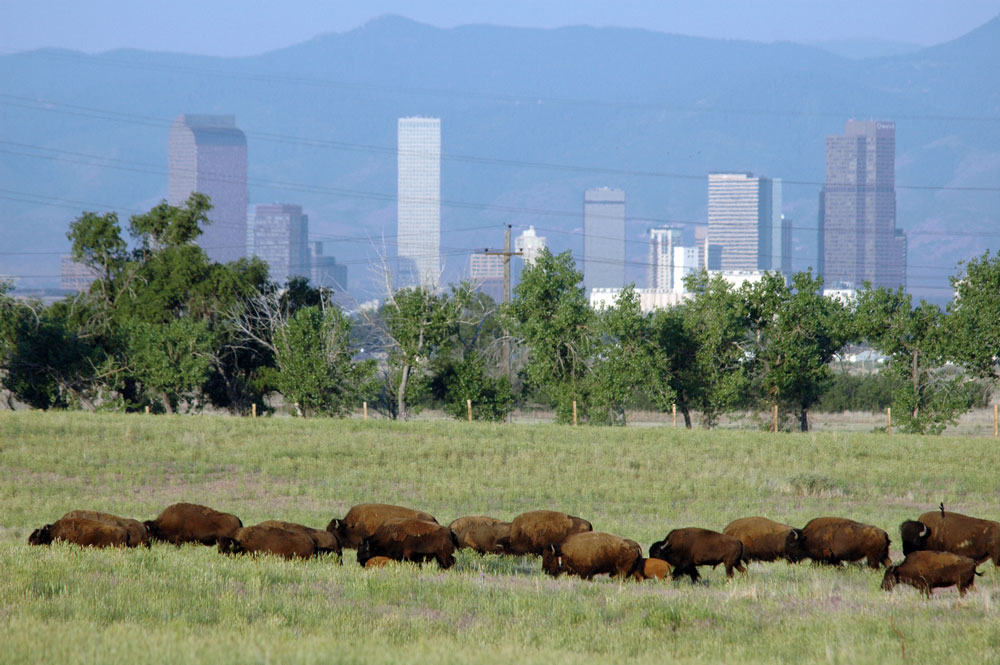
<point>674,373</point>
<point>554,323</point>
<point>916,341</point>
<point>468,379</point>
<point>170,360</point>
<point>974,317</point>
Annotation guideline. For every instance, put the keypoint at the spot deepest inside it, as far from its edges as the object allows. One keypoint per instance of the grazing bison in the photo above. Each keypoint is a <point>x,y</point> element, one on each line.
<point>363,519</point>
<point>264,539</point>
<point>325,541</point>
<point>833,540</point>
<point>767,540</point>
<point>686,549</point>
<point>191,523</point>
<point>404,539</point>
<point>652,569</point>
<point>931,570</point>
<point>534,531</point>
<point>593,553</point>
<point>138,534</point>
<point>81,531</point>
<point>976,538</point>
<point>481,533</point>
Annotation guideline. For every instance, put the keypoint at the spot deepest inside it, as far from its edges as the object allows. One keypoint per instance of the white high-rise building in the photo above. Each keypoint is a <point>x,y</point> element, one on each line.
<point>281,238</point>
<point>662,242</point>
<point>686,263</point>
<point>208,154</point>
<point>418,206</point>
<point>530,245</point>
<point>741,217</point>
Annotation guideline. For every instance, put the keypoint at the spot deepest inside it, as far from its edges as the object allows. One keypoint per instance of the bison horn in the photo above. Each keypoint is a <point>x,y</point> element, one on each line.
<point>795,534</point>
<point>924,532</point>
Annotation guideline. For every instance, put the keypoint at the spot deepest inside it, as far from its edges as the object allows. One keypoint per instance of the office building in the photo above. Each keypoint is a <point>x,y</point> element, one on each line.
<point>281,238</point>
<point>742,215</point>
<point>603,238</point>
<point>486,274</point>
<point>858,207</point>
<point>75,276</point>
<point>685,263</point>
<point>208,154</point>
<point>530,244</point>
<point>660,267</point>
<point>419,202</point>
<point>325,272</point>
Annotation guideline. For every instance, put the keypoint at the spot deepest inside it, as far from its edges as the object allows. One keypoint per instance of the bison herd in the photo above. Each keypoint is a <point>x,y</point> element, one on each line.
<point>941,548</point>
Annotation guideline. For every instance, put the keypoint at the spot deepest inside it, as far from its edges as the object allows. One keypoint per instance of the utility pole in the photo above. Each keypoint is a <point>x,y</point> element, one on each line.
<point>506,254</point>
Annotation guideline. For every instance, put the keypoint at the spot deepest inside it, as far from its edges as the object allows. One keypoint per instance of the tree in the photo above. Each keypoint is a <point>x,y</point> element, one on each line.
<point>491,396</point>
<point>916,341</point>
<point>170,360</point>
<point>675,373</point>
<point>552,319</point>
<point>974,317</point>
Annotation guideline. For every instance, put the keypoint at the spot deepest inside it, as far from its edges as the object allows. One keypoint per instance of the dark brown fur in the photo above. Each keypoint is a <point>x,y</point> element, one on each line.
<point>593,553</point>
<point>81,531</point>
<point>264,539</point>
<point>191,523</point>
<point>363,519</point>
<point>325,541</point>
<point>931,570</point>
<point>686,549</point>
<point>767,540</point>
<point>833,540</point>
<point>403,539</point>
<point>138,534</point>
<point>534,531</point>
<point>481,534</point>
<point>976,538</point>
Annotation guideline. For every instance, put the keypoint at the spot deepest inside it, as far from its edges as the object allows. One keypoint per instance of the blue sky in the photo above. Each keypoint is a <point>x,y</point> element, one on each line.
<point>246,27</point>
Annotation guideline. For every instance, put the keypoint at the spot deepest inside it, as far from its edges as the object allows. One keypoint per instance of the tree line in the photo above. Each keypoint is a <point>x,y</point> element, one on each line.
<point>164,327</point>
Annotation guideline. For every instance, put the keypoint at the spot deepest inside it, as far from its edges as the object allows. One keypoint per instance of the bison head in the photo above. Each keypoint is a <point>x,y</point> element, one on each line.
<point>552,560</point>
<point>41,536</point>
<point>365,551</point>
<point>795,546</point>
<point>336,527</point>
<point>153,529</point>
<point>659,549</point>
<point>914,536</point>
<point>229,545</point>
<point>891,578</point>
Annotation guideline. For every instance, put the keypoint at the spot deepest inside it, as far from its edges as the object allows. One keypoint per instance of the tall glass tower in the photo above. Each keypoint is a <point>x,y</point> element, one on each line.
<point>742,214</point>
<point>418,206</point>
<point>603,239</point>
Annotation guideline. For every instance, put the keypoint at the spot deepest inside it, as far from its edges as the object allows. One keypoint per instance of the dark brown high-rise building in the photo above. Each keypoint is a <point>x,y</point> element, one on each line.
<point>858,237</point>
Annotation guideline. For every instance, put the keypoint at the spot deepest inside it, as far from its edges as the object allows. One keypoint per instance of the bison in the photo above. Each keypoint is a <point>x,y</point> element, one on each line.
<point>833,540</point>
<point>325,541</point>
<point>652,569</point>
<point>480,533</point>
<point>80,531</point>
<point>686,549</point>
<point>191,523</point>
<point>767,540</point>
<point>378,562</point>
<point>138,534</point>
<point>534,531</point>
<point>978,539</point>
<point>404,539</point>
<point>593,553</point>
<point>931,570</point>
<point>264,539</point>
<point>362,520</point>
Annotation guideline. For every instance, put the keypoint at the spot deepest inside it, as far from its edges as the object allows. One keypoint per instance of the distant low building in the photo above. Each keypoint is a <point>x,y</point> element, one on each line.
<point>75,276</point>
<point>649,299</point>
<point>738,278</point>
<point>486,274</point>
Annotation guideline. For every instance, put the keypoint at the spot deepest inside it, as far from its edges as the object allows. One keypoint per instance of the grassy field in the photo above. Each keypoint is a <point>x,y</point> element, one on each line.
<point>63,604</point>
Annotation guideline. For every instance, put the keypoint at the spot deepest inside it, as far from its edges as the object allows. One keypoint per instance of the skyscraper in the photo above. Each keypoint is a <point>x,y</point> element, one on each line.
<point>603,238</point>
<point>662,241</point>
<point>325,271</point>
<point>208,154</point>
<point>486,274</point>
<point>741,221</point>
<point>858,205</point>
<point>281,238</point>
<point>418,205</point>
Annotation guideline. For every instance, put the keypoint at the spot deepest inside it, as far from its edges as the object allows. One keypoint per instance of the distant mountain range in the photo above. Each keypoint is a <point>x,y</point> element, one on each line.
<point>530,119</point>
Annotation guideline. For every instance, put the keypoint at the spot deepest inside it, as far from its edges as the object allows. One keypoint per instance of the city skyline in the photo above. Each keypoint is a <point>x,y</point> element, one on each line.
<point>418,202</point>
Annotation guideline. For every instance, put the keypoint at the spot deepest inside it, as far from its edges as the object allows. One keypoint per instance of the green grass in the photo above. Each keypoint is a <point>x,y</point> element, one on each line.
<point>191,605</point>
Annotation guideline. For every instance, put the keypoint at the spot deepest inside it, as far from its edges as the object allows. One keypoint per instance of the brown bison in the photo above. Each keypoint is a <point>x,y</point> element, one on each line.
<point>833,540</point>
<point>138,534</point>
<point>943,531</point>
<point>931,570</point>
<point>534,531</point>
<point>404,539</point>
<point>80,531</point>
<point>191,523</point>
<point>652,569</point>
<point>480,533</point>
<point>686,549</point>
<point>593,553</point>
<point>363,519</point>
<point>378,562</point>
<point>325,541</point>
<point>263,539</point>
<point>767,540</point>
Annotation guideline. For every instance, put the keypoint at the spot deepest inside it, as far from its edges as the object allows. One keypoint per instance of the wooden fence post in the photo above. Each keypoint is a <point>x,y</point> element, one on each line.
<point>147,409</point>
<point>574,412</point>
<point>675,415</point>
<point>996,433</point>
<point>888,419</point>
<point>364,407</point>
<point>253,409</point>
<point>468,405</point>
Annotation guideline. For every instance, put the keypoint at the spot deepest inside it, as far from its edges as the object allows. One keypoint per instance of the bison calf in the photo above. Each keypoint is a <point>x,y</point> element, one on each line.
<point>593,553</point>
<point>403,539</point>
<point>264,539</point>
<point>931,570</point>
<point>833,540</point>
<point>533,532</point>
<point>363,519</point>
<point>81,531</point>
<point>686,549</point>
<point>652,569</point>
<point>767,540</point>
<point>191,523</point>
<point>481,534</point>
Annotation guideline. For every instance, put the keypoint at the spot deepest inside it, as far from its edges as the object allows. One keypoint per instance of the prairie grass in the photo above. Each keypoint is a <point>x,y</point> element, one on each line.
<point>191,605</point>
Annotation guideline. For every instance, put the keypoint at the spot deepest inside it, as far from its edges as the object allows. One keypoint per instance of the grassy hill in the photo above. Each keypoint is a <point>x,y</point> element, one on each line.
<point>190,604</point>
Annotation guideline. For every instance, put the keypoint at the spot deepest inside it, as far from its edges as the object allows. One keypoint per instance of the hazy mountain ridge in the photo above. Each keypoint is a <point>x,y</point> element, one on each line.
<point>618,99</point>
